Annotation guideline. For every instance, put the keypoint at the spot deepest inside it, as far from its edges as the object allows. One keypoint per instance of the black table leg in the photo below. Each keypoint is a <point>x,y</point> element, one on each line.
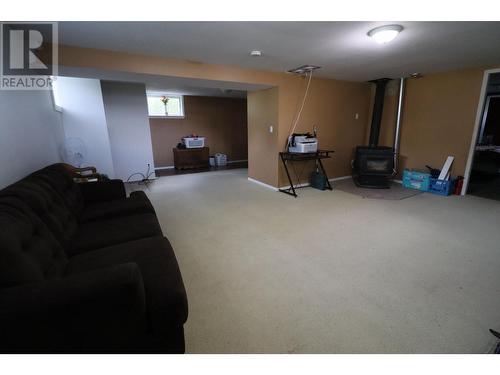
<point>324,173</point>
<point>287,191</point>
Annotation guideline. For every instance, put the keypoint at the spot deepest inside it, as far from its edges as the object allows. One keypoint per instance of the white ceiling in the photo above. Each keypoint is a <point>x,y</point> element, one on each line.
<point>342,48</point>
<point>166,84</point>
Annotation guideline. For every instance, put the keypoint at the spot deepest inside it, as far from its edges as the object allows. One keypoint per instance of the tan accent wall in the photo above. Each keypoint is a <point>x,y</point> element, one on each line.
<point>438,118</point>
<point>331,105</point>
<point>263,107</point>
<point>222,121</point>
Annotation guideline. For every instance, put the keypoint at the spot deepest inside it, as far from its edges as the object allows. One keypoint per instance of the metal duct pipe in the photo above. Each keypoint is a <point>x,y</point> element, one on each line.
<point>397,132</point>
<point>378,107</point>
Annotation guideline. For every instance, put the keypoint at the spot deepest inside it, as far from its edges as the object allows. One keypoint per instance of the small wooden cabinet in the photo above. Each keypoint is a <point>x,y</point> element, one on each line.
<point>191,158</point>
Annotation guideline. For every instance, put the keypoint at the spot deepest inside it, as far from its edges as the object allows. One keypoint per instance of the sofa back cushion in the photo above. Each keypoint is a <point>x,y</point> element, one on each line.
<point>36,196</point>
<point>28,250</point>
<point>61,180</point>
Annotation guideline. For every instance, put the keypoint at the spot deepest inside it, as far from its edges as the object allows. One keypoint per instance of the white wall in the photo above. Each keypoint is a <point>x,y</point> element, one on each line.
<point>83,117</point>
<point>128,126</point>
<point>30,133</point>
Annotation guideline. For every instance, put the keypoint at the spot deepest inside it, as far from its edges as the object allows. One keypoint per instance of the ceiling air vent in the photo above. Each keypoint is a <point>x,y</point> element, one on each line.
<point>304,69</point>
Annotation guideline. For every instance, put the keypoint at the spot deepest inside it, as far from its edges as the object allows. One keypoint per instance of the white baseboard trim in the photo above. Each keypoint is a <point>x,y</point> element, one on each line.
<point>339,178</point>
<point>151,178</point>
<point>297,186</point>
<point>262,184</point>
<point>288,186</point>
<point>346,177</point>
<point>307,183</point>
<point>228,162</point>
<point>236,161</point>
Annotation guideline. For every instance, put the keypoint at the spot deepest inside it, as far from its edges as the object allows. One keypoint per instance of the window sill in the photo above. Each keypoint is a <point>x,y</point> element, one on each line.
<point>168,117</point>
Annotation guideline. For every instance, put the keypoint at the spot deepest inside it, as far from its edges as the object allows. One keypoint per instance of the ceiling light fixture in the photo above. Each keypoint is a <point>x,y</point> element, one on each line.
<point>255,53</point>
<point>385,34</point>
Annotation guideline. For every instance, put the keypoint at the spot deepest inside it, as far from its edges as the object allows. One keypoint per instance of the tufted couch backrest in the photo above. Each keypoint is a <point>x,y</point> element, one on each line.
<point>34,195</point>
<point>62,183</point>
<point>38,217</point>
<point>28,250</point>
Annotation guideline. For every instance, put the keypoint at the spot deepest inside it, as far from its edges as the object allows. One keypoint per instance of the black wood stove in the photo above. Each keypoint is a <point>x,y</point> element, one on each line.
<point>374,165</point>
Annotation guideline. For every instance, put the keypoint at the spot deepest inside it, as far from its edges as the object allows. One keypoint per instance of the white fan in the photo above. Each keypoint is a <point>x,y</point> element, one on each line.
<point>74,152</point>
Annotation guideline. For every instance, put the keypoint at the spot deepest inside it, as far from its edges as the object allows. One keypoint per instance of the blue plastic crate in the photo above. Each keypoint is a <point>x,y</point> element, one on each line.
<point>416,180</point>
<point>441,187</point>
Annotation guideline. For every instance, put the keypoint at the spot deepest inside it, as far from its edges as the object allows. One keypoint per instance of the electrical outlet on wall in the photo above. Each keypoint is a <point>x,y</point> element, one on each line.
<point>356,116</point>
<point>271,128</point>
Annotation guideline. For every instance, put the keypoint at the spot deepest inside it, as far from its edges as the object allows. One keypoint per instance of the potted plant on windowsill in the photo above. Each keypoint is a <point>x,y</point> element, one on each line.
<point>164,100</point>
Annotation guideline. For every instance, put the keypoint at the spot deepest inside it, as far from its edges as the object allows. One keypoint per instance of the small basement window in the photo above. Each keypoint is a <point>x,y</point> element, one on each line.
<point>171,106</point>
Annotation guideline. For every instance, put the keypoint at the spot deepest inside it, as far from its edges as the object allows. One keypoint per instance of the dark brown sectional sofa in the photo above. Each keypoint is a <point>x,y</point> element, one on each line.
<point>85,269</point>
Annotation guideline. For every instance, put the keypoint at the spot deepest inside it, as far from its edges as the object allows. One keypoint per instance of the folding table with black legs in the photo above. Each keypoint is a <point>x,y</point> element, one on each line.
<point>287,157</point>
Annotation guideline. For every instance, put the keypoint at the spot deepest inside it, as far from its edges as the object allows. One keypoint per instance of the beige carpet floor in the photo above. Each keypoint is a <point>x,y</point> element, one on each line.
<point>396,191</point>
<point>331,272</point>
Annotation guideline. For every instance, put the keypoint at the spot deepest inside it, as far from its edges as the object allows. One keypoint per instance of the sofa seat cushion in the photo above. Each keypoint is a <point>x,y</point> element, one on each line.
<point>166,299</point>
<point>136,203</point>
<point>100,233</point>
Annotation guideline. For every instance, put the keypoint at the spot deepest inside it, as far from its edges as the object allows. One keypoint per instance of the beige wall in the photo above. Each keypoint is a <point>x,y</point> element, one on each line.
<point>331,106</point>
<point>263,113</point>
<point>438,118</point>
<point>222,121</point>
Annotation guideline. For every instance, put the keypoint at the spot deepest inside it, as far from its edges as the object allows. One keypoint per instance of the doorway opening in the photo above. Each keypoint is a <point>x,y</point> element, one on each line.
<point>484,160</point>
<point>196,108</point>
<point>210,135</point>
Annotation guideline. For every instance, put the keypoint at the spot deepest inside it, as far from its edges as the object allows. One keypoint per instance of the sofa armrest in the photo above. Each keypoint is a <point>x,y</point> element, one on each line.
<point>86,169</point>
<point>101,191</point>
<point>139,195</point>
<point>99,309</point>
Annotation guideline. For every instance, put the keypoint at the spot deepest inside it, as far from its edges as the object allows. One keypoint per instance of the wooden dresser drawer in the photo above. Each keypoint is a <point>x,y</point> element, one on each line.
<point>191,158</point>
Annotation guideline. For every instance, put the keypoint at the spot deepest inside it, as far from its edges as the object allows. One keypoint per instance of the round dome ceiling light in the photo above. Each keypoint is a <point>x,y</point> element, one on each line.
<point>255,53</point>
<point>385,34</point>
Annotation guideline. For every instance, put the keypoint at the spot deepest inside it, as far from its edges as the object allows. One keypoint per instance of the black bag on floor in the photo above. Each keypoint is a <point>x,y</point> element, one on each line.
<point>318,180</point>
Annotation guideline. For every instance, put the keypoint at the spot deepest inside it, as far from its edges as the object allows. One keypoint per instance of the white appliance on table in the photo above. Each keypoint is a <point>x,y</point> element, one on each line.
<point>302,144</point>
<point>194,142</point>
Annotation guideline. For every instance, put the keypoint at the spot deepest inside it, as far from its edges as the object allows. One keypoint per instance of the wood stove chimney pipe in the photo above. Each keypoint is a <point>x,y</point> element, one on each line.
<point>378,107</point>
<point>397,132</point>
